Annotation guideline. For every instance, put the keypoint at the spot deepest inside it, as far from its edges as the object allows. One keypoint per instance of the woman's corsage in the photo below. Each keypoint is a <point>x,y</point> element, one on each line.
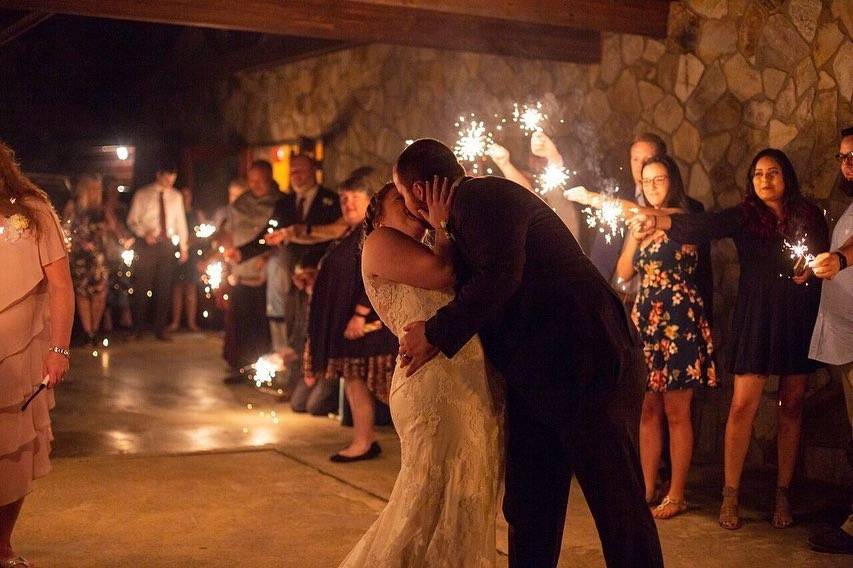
<point>13,228</point>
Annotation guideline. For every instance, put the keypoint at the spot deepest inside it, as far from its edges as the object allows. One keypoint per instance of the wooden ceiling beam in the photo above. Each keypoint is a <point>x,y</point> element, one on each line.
<point>351,21</point>
<point>21,26</point>
<point>641,17</point>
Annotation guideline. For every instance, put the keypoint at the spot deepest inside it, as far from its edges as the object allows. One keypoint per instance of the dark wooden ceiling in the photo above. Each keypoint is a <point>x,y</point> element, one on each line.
<point>543,29</point>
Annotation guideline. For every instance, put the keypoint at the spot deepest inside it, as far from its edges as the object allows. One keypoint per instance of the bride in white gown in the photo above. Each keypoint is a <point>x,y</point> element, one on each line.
<point>443,505</point>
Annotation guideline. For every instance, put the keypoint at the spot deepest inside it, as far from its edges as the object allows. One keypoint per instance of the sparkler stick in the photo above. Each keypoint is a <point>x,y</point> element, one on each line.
<point>551,177</point>
<point>214,273</point>
<point>608,217</point>
<point>41,387</point>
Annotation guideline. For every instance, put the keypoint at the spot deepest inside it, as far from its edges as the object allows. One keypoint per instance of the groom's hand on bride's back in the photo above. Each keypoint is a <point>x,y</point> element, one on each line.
<point>415,350</point>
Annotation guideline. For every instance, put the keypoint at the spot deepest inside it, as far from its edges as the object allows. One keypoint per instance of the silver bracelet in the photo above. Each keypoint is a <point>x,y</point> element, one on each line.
<point>64,352</point>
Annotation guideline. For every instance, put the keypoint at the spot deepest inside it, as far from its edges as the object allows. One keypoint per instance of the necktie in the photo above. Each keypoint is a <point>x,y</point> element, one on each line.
<point>300,208</point>
<point>163,232</point>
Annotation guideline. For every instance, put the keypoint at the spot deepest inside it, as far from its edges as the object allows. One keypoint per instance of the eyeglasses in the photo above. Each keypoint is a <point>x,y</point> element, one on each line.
<point>657,180</point>
<point>846,159</point>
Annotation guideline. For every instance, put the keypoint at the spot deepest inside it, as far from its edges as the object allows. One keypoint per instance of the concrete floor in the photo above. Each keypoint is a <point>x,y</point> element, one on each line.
<point>158,463</point>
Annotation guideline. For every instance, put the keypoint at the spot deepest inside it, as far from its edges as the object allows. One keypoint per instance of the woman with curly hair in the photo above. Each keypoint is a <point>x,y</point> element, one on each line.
<point>774,313</point>
<point>36,314</point>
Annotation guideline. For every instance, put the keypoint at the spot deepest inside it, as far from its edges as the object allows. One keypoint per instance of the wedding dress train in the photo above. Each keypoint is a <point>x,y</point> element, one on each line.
<point>442,509</point>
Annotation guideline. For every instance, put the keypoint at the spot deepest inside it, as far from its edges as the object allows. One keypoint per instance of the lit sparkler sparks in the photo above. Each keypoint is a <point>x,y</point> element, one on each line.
<point>265,369</point>
<point>800,254</point>
<point>552,177</point>
<point>529,117</point>
<point>473,140</point>
<point>128,256</point>
<point>214,273</point>
<point>608,217</point>
<point>204,230</point>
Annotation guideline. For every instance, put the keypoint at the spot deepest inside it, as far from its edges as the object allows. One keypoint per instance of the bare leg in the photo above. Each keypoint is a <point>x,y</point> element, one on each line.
<point>84,312</point>
<point>99,305</point>
<point>177,306</point>
<point>677,408</point>
<point>651,440</point>
<point>191,303</point>
<point>361,403</point>
<point>8,516</point>
<point>792,392</point>
<point>747,395</point>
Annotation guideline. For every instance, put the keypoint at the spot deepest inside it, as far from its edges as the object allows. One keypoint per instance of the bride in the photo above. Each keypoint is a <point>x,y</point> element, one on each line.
<point>443,505</point>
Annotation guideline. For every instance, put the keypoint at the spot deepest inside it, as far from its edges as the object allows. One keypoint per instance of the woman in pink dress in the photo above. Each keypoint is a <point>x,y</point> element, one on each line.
<point>36,313</point>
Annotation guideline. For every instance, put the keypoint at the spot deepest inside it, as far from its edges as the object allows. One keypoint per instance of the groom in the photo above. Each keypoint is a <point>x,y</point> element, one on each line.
<point>559,335</point>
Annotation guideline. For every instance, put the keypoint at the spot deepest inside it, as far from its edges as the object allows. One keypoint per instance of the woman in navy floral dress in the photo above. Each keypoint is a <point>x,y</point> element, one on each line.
<point>670,316</point>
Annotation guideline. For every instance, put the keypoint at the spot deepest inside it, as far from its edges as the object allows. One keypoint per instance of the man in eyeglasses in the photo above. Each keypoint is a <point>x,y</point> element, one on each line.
<point>832,341</point>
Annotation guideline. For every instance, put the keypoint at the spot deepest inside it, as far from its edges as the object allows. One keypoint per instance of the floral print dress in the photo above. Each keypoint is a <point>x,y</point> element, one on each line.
<point>89,266</point>
<point>670,317</point>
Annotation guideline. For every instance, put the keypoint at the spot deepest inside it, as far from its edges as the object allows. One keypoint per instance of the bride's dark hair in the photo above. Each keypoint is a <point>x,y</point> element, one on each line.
<point>374,209</point>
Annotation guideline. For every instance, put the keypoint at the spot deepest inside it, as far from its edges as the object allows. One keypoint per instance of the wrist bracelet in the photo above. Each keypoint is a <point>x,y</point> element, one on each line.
<point>358,315</point>
<point>64,352</point>
<point>842,259</point>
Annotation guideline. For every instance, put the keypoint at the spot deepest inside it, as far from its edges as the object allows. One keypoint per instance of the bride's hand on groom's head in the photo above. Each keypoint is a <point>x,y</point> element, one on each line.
<point>438,198</point>
<point>415,349</point>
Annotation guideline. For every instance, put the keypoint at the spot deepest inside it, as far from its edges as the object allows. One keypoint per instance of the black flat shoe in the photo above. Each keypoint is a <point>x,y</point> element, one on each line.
<point>371,453</point>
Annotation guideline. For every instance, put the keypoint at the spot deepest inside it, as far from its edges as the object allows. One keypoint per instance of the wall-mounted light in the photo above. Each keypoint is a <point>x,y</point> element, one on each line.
<point>122,152</point>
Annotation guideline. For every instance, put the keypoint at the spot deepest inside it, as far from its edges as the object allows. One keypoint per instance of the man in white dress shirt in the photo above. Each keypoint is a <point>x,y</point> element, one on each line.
<point>158,220</point>
<point>832,341</point>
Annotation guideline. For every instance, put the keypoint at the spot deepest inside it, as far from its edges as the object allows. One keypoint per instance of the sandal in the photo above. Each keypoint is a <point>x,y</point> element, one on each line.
<point>669,508</point>
<point>782,516</point>
<point>729,511</point>
<point>19,562</point>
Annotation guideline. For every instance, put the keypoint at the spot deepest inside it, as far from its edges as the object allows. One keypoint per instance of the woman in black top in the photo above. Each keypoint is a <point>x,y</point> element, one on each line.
<point>346,339</point>
<point>774,313</point>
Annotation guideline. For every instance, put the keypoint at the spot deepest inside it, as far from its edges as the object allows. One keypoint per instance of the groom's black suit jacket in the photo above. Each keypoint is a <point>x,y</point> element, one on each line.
<point>547,319</point>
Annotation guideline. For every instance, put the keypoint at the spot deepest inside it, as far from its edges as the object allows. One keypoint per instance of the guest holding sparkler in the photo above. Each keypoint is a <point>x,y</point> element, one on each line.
<point>185,286</point>
<point>774,312</point>
<point>88,227</point>
<point>36,314</point>
<point>832,341</point>
<point>247,217</point>
<point>346,339</point>
<point>670,316</point>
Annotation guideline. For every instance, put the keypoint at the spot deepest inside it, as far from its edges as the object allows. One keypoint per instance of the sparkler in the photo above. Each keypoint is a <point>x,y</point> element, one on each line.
<point>205,230</point>
<point>529,117</point>
<point>799,252</point>
<point>128,256</point>
<point>608,217</point>
<point>552,177</point>
<point>265,368</point>
<point>473,140</point>
<point>214,273</point>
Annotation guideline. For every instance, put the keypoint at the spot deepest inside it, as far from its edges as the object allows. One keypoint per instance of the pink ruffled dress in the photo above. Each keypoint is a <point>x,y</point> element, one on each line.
<point>25,437</point>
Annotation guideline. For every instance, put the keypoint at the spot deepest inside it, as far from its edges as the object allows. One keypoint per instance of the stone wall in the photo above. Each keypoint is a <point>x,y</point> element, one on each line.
<point>732,77</point>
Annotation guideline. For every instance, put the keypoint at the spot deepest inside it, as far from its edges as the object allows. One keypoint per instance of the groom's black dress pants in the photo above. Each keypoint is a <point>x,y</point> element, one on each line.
<point>598,446</point>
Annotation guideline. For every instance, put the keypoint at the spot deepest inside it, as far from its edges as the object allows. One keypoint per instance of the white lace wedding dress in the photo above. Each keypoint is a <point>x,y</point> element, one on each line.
<point>442,509</point>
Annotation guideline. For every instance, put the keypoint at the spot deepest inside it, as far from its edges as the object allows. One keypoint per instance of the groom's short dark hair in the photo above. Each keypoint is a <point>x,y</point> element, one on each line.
<point>425,158</point>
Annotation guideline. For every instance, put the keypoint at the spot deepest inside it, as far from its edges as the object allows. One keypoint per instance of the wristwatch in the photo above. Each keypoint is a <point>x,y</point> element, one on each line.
<point>842,259</point>
<point>64,352</point>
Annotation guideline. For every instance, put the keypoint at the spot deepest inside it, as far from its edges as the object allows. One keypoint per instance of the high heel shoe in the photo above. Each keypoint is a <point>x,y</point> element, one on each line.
<point>729,511</point>
<point>372,452</point>
<point>782,517</point>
